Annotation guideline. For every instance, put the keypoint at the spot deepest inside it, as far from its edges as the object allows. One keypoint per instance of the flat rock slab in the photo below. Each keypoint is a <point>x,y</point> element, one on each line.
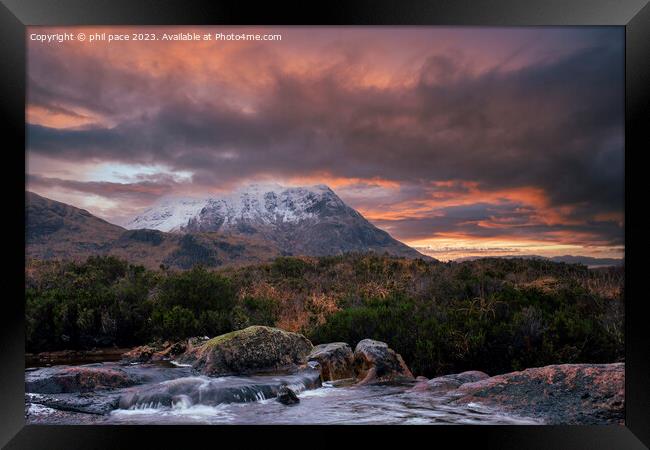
<point>87,378</point>
<point>449,382</point>
<point>74,402</point>
<point>98,376</point>
<point>558,394</point>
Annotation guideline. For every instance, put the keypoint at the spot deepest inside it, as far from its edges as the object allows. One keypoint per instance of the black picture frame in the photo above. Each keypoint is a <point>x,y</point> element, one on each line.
<point>15,15</point>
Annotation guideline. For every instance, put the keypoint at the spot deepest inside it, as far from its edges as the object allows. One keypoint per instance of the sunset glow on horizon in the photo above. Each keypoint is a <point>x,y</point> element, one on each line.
<point>458,141</point>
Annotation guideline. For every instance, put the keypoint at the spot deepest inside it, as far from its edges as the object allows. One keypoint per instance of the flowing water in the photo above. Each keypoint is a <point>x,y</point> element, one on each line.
<point>174,395</point>
<point>325,405</point>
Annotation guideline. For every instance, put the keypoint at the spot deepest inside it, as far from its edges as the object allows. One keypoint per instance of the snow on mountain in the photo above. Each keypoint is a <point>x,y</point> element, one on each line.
<point>256,204</point>
<point>169,214</point>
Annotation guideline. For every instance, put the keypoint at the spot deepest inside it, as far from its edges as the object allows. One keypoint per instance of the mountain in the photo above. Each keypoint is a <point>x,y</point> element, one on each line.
<point>55,230</point>
<point>569,259</point>
<point>237,229</point>
<point>169,214</point>
<point>298,220</point>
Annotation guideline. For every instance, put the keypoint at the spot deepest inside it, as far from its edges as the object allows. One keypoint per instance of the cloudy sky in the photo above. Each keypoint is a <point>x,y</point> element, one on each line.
<point>457,141</point>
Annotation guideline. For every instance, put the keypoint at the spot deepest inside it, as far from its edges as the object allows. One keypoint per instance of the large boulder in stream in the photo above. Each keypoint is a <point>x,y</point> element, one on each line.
<point>335,359</point>
<point>64,379</point>
<point>254,349</point>
<point>558,394</point>
<point>374,362</point>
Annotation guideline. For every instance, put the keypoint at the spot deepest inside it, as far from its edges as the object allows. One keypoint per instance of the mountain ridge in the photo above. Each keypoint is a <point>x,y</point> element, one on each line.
<point>56,230</point>
<point>264,202</point>
<point>302,220</point>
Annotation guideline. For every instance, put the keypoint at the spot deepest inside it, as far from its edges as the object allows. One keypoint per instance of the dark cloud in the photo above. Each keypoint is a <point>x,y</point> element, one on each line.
<point>141,192</point>
<point>556,125</point>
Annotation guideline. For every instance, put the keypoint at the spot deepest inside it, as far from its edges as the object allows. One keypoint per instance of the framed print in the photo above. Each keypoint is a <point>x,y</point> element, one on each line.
<point>369,218</point>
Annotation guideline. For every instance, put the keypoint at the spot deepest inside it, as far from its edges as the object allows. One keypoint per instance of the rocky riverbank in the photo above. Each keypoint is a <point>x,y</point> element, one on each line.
<point>74,357</point>
<point>586,394</point>
<point>261,363</point>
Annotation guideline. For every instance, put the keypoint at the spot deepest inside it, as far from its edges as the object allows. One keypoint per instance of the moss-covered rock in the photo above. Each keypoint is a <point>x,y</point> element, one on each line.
<point>251,350</point>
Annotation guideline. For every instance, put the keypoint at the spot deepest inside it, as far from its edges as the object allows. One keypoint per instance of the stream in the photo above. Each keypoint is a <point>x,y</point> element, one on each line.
<point>170,394</point>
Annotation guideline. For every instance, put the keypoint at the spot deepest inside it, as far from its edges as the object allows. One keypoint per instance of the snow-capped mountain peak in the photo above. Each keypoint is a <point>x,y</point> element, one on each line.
<point>257,204</point>
<point>168,214</point>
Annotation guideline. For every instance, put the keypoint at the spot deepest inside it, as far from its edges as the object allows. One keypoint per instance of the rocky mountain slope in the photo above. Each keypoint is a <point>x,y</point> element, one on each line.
<point>56,230</point>
<point>298,220</point>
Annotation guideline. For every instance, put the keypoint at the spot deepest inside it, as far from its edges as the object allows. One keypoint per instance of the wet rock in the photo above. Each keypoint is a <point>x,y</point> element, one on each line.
<point>141,354</point>
<point>61,379</point>
<point>336,360</point>
<point>213,391</point>
<point>88,403</point>
<point>374,362</point>
<point>156,372</point>
<point>36,413</point>
<point>287,397</point>
<point>344,382</point>
<point>450,382</point>
<point>470,376</point>
<point>157,352</point>
<point>196,341</point>
<point>168,351</point>
<point>251,350</point>
<point>558,394</point>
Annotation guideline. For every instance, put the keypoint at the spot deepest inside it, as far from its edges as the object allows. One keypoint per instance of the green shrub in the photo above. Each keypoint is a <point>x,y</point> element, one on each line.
<point>289,267</point>
<point>508,331</point>
<point>176,323</point>
<point>494,315</point>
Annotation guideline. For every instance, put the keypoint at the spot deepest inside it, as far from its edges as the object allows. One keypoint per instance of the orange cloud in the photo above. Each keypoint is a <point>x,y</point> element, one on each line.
<point>61,118</point>
<point>337,182</point>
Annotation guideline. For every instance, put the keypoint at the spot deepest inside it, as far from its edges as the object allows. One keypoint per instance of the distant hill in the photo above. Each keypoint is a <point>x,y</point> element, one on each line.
<point>57,230</point>
<point>304,222</point>
<point>569,259</point>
